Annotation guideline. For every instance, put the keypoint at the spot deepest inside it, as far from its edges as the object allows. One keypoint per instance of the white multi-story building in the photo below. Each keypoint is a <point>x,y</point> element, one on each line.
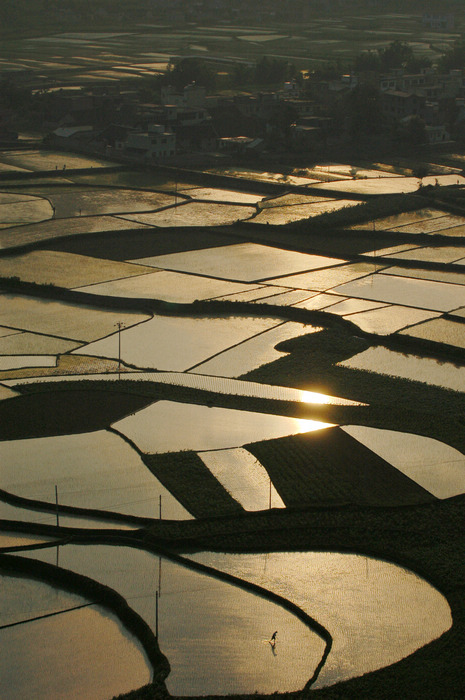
<point>157,143</point>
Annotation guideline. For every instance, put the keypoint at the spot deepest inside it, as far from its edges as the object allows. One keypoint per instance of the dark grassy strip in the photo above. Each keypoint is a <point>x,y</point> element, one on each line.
<point>140,243</point>
<point>330,467</point>
<point>71,410</point>
<point>192,484</point>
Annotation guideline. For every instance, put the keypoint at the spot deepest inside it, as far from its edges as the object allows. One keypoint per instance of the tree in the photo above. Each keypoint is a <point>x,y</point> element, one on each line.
<point>191,70</point>
<point>363,110</point>
<point>397,55</point>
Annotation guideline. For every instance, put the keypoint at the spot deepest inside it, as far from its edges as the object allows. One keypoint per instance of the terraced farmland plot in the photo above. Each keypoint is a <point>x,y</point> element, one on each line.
<point>292,199</point>
<point>364,594</point>
<point>286,214</point>
<point>325,467</point>
<point>409,366</point>
<point>48,517</point>
<point>195,214</point>
<point>430,463</point>
<point>20,343</point>
<point>65,269</point>
<point>439,330</point>
<point>442,254</point>
<point>105,660</point>
<point>204,428</point>
<point>397,220</point>
<point>261,176</point>
<point>62,319</point>
<point>92,470</point>
<point>220,195</point>
<point>254,352</point>
<point>443,225</point>
<point>329,278</point>
<point>18,210</point>
<point>51,160</point>
<point>79,201</point>
<point>243,477</point>
<point>202,657</point>
<point>388,319</point>
<point>391,185</point>
<point>434,275</point>
<point>56,228</point>
<point>176,343</point>
<point>169,286</point>
<point>247,262</point>
<point>423,294</point>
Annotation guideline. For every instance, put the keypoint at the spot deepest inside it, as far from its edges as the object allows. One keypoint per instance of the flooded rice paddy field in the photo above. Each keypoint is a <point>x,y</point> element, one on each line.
<point>343,592</point>
<point>105,658</point>
<point>178,456</point>
<point>66,59</point>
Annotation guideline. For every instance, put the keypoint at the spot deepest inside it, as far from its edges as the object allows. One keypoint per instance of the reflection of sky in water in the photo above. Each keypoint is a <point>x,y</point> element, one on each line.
<point>243,261</point>
<point>284,215</point>
<point>255,352</point>
<point>243,477</point>
<point>438,468</point>
<point>389,319</point>
<point>91,470</point>
<point>88,653</point>
<point>419,369</point>
<point>61,318</point>
<point>168,286</point>
<point>167,426</point>
<point>376,612</point>
<point>439,330</point>
<point>30,515</point>
<point>436,296</point>
<point>321,280</point>
<point>215,635</point>
<point>177,343</point>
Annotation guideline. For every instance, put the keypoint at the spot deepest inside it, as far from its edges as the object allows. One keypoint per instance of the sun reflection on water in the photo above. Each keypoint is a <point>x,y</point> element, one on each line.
<point>307,426</point>
<point>314,397</point>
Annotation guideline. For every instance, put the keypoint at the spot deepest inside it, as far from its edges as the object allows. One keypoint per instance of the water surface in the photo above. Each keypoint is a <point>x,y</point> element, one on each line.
<point>437,467</point>
<point>408,366</point>
<point>243,477</point>
<point>91,470</point>
<point>424,294</point>
<point>376,612</point>
<point>246,262</point>
<point>182,426</point>
<point>88,653</point>
<point>214,634</point>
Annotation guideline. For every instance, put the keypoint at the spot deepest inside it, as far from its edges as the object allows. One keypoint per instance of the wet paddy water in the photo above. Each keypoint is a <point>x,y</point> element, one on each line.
<point>375,611</point>
<point>216,635</point>
<point>105,658</point>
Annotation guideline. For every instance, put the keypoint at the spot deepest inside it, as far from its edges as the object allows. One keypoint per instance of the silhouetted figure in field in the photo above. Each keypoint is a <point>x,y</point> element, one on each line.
<point>273,638</point>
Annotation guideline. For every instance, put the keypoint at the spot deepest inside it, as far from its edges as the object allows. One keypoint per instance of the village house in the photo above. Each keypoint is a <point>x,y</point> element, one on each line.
<point>155,144</point>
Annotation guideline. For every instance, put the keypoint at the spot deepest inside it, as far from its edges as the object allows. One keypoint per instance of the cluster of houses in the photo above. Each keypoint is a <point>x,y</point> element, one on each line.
<point>190,122</point>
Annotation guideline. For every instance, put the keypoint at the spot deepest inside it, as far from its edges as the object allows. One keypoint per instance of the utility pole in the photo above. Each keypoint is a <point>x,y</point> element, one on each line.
<point>119,325</point>
<point>156,614</point>
<point>56,504</point>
